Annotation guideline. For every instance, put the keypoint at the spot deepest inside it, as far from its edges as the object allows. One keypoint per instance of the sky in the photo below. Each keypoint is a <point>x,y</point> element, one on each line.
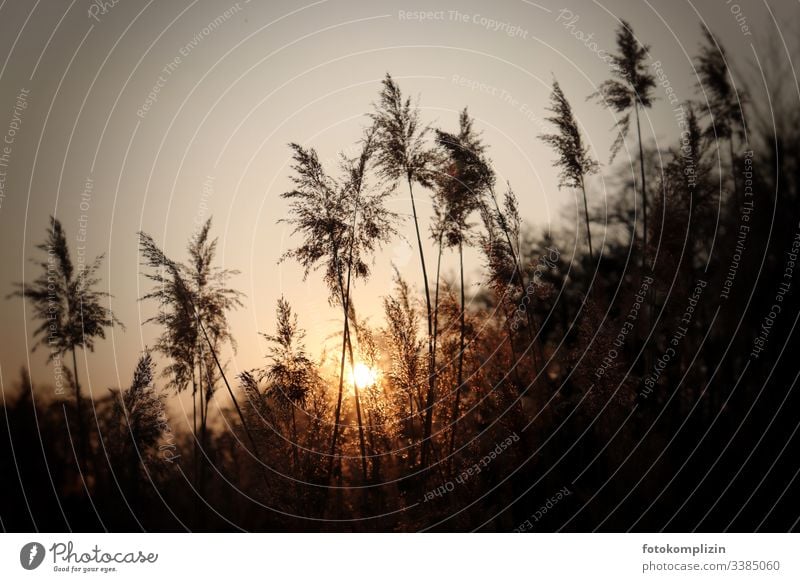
<point>149,116</point>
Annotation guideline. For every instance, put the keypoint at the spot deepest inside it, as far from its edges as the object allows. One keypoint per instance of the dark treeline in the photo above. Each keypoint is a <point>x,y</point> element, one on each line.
<point>635,373</point>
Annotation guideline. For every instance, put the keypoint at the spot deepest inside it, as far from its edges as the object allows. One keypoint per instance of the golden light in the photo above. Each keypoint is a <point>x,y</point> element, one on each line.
<point>364,376</point>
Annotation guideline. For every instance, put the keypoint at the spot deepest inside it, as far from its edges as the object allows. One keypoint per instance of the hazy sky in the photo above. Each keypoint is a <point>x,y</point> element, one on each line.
<point>178,110</point>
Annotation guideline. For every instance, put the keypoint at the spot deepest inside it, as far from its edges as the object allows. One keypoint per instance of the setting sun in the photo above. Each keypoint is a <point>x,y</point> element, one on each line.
<point>364,376</point>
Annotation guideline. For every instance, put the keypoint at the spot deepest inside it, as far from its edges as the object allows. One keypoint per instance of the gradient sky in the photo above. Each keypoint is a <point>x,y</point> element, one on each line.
<point>273,72</point>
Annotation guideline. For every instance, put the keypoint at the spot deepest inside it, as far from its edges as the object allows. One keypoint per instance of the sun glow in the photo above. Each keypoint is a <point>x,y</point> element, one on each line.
<point>364,376</point>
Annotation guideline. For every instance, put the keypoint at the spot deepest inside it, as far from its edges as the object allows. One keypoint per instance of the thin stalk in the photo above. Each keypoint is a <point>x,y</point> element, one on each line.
<point>337,414</point>
<point>204,402</point>
<point>644,187</point>
<point>230,392</point>
<point>649,311</point>
<point>436,310</point>
<point>586,212</point>
<point>203,452</point>
<point>460,382</point>
<point>194,425</point>
<point>426,436</point>
<point>82,446</point>
<point>361,441</point>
